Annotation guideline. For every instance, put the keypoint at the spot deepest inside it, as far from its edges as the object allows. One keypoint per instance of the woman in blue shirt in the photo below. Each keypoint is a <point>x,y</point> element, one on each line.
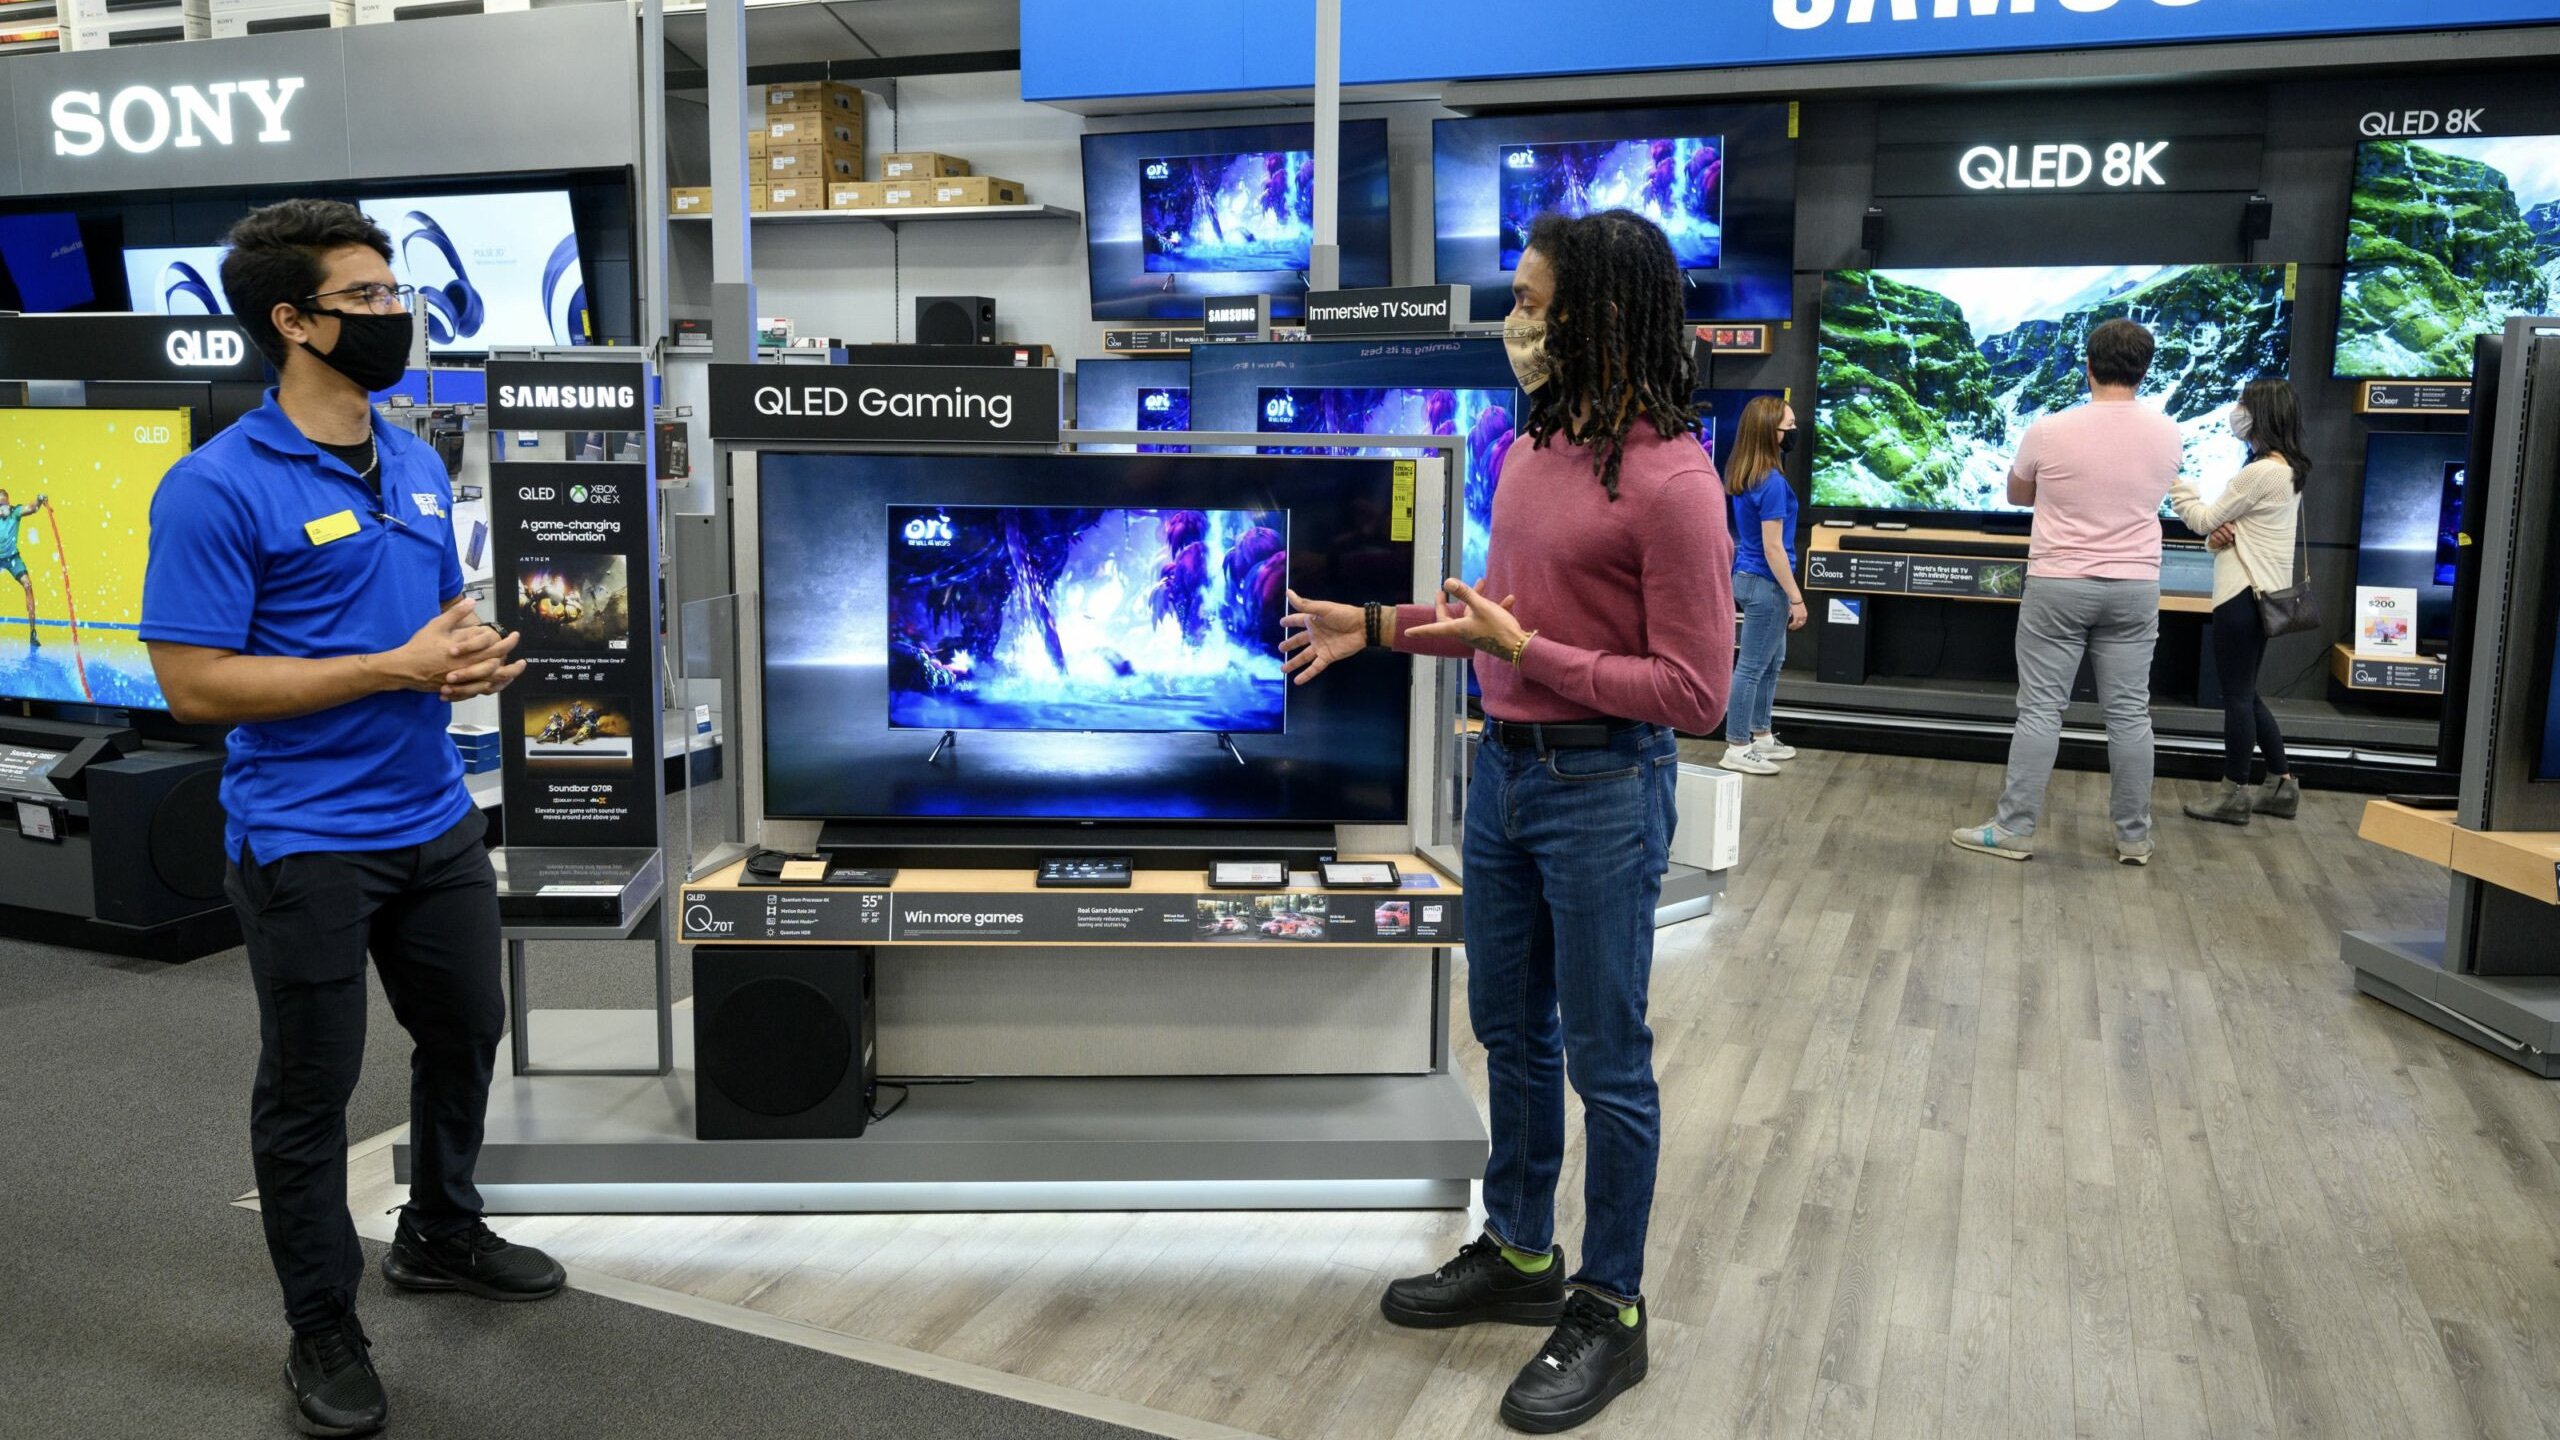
<point>1764,582</point>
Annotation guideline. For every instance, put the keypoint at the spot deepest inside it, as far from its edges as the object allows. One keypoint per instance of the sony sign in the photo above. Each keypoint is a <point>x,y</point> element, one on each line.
<point>2126,165</point>
<point>140,119</point>
<point>1814,14</point>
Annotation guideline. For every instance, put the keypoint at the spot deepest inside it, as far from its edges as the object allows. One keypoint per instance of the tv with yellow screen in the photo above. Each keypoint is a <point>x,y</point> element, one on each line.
<point>75,529</point>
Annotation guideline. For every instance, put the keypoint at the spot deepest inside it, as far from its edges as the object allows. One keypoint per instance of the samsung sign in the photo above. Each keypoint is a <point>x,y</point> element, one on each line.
<point>555,395</point>
<point>1075,49</point>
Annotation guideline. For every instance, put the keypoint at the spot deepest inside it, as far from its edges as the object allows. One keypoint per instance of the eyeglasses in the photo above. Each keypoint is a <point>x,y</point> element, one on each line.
<point>380,299</point>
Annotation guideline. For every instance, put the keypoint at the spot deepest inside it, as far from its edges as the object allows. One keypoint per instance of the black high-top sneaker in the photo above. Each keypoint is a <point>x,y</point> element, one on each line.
<point>1592,1358</point>
<point>335,1390</point>
<point>1478,1287</point>
<point>475,1262</point>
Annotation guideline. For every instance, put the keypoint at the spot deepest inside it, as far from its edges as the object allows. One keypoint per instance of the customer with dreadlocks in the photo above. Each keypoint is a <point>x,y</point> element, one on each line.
<point>1610,550</point>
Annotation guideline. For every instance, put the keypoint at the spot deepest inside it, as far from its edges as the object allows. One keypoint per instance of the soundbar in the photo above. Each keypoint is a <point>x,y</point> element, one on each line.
<point>985,847</point>
<point>1013,357</point>
<point>1986,548</point>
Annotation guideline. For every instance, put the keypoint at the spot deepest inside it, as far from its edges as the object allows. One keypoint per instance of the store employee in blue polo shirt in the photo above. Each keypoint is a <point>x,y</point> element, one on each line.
<point>303,588</point>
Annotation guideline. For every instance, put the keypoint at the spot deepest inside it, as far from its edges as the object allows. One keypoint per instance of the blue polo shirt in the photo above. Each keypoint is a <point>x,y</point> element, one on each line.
<point>262,544</point>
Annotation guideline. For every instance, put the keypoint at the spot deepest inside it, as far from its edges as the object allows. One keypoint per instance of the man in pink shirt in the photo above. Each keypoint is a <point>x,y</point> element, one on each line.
<point>2095,477</point>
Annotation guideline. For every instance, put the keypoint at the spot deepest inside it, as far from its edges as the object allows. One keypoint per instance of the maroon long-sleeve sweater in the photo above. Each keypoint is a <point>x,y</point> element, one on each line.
<point>1632,599</point>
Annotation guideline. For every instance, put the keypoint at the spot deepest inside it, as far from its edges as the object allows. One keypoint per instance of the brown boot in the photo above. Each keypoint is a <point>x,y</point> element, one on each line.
<point>2281,797</point>
<point>2229,805</point>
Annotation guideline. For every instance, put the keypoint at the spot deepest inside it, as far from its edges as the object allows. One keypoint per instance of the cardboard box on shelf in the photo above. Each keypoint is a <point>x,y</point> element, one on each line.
<point>854,194</point>
<point>977,190</point>
<point>921,165</point>
<point>811,163</point>
<point>758,142</point>
<point>899,194</point>
<point>842,136</point>
<point>822,97</point>
<point>689,200</point>
<point>781,195</point>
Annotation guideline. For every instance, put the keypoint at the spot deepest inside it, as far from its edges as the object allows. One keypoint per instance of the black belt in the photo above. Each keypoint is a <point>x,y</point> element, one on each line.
<point>1580,735</point>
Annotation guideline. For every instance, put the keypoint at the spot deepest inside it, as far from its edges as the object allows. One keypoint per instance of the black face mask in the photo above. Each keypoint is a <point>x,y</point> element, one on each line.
<point>373,350</point>
<point>1786,442</point>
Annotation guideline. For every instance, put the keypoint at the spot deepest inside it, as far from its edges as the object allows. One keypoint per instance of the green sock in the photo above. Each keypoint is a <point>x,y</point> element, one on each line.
<point>1526,1263</point>
<point>1629,1316</point>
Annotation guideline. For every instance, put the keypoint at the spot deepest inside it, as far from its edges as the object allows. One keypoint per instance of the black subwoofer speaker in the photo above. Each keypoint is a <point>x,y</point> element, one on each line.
<point>784,1042</point>
<point>955,320</point>
<point>155,822</point>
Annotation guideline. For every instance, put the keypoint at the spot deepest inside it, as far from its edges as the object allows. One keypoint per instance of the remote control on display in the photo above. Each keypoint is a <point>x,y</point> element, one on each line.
<point>1088,872</point>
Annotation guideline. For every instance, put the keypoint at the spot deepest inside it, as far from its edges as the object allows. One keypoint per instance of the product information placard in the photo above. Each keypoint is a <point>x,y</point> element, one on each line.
<point>954,404</point>
<point>2386,623</point>
<point>1833,570</point>
<point>1054,918</point>
<point>1973,579</point>
<point>24,768</point>
<point>2364,674</point>
<point>576,560</point>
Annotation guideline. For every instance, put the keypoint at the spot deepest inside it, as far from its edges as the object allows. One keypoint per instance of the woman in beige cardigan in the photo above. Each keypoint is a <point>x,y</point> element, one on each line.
<point>2253,528</point>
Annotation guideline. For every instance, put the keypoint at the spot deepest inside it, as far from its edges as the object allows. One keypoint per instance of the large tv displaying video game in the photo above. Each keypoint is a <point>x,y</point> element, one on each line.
<point>944,637</point>
<point>2447,240</point>
<point>1929,378</point>
<point>1719,180</point>
<point>1173,217</point>
<point>1121,393</point>
<point>2412,532</point>
<point>491,270</point>
<point>75,533</point>
<point>1135,620</point>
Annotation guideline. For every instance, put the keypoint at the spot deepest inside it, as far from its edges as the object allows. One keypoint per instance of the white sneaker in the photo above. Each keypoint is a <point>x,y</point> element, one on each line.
<point>1744,760</point>
<point>1770,747</point>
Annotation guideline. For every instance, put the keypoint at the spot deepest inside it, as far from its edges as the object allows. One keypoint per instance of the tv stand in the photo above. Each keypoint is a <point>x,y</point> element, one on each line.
<point>1227,743</point>
<point>950,741</point>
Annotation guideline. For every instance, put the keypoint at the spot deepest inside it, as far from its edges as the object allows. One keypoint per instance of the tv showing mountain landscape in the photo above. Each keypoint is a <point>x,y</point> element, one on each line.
<point>1929,378</point>
<point>2446,240</point>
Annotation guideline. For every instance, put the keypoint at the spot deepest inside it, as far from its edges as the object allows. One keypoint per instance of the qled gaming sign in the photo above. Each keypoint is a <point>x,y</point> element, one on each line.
<point>1079,48</point>
<point>946,404</point>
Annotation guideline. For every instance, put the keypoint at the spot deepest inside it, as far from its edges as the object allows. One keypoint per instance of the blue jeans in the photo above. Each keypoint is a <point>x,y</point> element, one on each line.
<point>1565,852</point>
<point>1764,650</point>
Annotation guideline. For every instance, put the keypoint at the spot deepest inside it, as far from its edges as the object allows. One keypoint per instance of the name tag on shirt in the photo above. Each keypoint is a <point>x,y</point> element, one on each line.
<point>330,527</point>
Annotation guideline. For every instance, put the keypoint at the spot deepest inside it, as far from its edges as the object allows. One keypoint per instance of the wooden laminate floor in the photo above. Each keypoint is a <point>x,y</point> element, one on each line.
<point>1954,1147</point>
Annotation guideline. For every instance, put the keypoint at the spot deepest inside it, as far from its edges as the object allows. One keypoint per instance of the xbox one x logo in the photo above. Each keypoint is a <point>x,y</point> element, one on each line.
<point>577,494</point>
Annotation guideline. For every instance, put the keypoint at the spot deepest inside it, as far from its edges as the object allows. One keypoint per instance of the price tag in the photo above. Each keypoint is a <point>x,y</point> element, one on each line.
<point>1403,506</point>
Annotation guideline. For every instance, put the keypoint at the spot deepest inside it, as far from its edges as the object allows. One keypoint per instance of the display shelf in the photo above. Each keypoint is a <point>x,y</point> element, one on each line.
<point>2526,862</point>
<point>2398,675</point>
<point>595,1144</point>
<point>1832,568</point>
<point>902,215</point>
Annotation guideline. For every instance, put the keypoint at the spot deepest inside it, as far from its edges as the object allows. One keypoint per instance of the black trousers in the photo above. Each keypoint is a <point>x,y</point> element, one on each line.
<point>429,916</point>
<point>2239,650</point>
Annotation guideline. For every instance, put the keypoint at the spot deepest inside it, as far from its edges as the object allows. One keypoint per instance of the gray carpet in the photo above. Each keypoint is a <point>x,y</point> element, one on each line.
<point>137,1298</point>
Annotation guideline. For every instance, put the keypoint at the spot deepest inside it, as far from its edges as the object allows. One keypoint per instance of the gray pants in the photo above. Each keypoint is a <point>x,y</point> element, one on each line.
<point>2116,622</point>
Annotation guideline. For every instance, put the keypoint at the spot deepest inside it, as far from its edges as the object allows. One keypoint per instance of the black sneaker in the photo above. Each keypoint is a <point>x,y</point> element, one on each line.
<point>475,1262</point>
<point>1478,1287</point>
<point>1591,1359</point>
<point>335,1390</point>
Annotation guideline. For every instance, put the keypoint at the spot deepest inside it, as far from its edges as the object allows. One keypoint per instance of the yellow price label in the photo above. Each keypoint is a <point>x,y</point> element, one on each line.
<point>330,527</point>
<point>1403,507</point>
<point>2292,282</point>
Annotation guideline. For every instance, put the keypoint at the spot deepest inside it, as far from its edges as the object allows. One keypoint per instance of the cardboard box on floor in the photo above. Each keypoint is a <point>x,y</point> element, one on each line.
<point>921,165</point>
<point>977,190</point>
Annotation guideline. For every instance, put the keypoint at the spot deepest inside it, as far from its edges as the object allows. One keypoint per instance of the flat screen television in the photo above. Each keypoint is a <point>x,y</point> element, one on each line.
<point>1719,180</point>
<point>2413,485</point>
<point>1111,660</point>
<point>2447,240</point>
<point>48,262</point>
<point>1122,393</point>
<point>491,270</point>
<point>1173,217</point>
<point>1927,379</point>
<point>175,279</point>
<point>75,522</point>
<point>1086,620</point>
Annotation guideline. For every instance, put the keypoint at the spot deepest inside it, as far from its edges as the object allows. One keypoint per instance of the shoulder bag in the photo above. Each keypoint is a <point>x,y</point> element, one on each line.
<point>2291,610</point>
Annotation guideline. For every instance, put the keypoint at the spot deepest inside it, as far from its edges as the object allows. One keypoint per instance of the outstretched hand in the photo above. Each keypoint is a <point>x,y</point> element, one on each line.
<point>1469,617</point>
<point>1320,632</point>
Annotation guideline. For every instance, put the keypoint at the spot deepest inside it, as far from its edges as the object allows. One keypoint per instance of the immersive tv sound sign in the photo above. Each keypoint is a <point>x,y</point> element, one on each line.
<point>961,405</point>
<point>568,395</point>
<point>1405,310</point>
<point>196,348</point>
